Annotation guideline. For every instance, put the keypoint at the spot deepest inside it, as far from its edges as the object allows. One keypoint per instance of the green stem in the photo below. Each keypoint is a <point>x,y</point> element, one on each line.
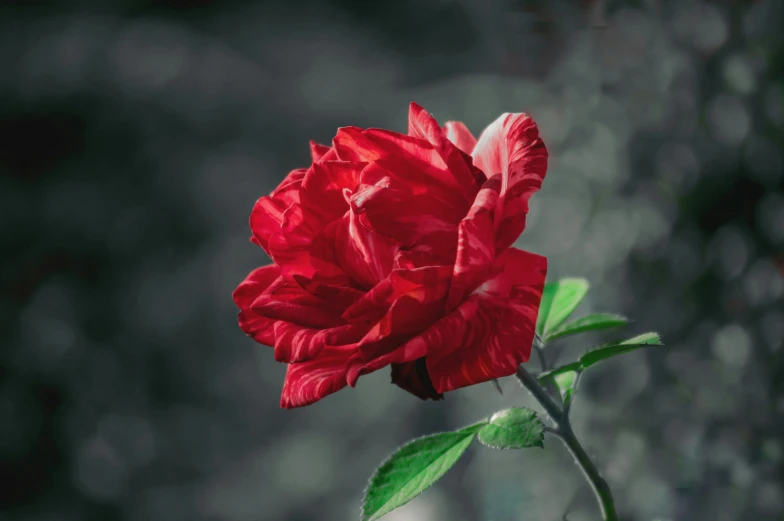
<point>600,487</point>
<point>564,431</point>
<point>552,409</point>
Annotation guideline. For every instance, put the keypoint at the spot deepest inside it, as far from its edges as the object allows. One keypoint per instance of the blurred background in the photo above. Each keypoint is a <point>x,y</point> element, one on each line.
<point>135,136</point>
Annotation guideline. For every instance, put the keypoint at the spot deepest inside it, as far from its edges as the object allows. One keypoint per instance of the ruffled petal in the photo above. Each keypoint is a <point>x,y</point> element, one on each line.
<point>265,220</point>
<point>310,381</point>
<point>373,305</point>
<point>288,190</point>
<point>253,324</point>
<point>413,377</point>
<point>512,147</point>
<point>350,144</point>
<point>416,158</point>
<point>475,243</point>
<point>287,301</point>
<point>492,331</point>
<point>395,347</point>
<point>267,214</point>
<point>416,301</point>
<point>458,133</point>
<point>423,125</point>
<point>436,249</point>
<point>295,344</point>
<point>410,160</point>
<point>404,217</point>
<point>322,189</point>
<point>318,151</point>
<point>364,255</point>
<point>304,251</point>
<point>339,296</point>
<point>406,177</point>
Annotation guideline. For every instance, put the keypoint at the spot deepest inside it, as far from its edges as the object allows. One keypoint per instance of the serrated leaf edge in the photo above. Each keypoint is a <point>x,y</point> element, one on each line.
<point>490,423</point>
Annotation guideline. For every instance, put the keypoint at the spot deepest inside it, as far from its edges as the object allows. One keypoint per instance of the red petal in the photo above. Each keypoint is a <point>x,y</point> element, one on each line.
<point>340,296</point>
<point>265,220</point>
<point>459,134</point>
<point>475,244</point>
<point>402,216</point>
<point>393,348</point>
<point>373,305</point>
<point>322,189</point>
<point>310,381</point>
<point>413,156</point>
<point>254,325</point>
<point>257,327</point>
<point>413,377</point>
<point>288,188</point>
<point>437,249</point>
<point>351,145</point>
<point>267,215</point>
<point>298,344</point>
<point>422,124</point>
<point>318,151</point>
<point>364,255</point>
<point>302,249</point>
<point>287,301</point>
<point>490,333</point>
<point>305,246</point>
<point>294,343</point>
<point>512,147</point>
<point>415,302</point>
<point>404,175</point>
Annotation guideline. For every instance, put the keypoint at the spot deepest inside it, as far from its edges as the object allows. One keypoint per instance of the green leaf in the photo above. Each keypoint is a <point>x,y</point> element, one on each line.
<point>592,322</point>
<point>413,468</point>
<point>544,306</point>
<point>618,348</point>
<point>598,354</point>
<point>473,428</point>
<point>559,300</point>
<point>515,428</point>
<point>553,373</point>
<point>564,381</point>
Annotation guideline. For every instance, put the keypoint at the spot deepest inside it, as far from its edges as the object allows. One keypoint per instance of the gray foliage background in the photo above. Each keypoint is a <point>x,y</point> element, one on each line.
<point>136,136</point>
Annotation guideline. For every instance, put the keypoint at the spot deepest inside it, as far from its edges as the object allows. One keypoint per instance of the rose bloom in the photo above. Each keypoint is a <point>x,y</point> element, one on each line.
<point>395,250</point>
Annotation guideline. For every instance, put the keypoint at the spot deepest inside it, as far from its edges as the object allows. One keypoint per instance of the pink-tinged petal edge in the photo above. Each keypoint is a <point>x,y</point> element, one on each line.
<point>458,133</point>
<point>512,147</point>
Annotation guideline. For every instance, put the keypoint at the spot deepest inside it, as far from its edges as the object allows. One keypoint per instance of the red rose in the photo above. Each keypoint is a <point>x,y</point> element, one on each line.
<point>394,249</point>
